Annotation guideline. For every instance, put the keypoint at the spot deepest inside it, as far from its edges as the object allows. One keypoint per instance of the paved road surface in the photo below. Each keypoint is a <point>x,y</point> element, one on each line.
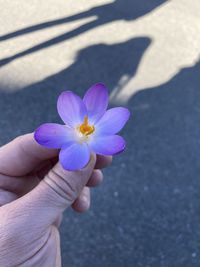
<point>147,212</point>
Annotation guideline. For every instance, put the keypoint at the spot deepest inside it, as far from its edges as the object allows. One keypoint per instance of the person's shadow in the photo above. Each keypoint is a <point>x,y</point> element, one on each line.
<point>149,212</point>
<point>117,10</point>
<point>102,62</point>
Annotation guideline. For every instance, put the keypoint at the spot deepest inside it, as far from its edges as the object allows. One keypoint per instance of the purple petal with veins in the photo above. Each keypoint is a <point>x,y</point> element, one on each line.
<point>74,157</point>
<point>108,145</point>
<point>113,121</point>
<point>71,108</point>
<point>96,101</point>
<point>89,128</point>
<point>52,135</point>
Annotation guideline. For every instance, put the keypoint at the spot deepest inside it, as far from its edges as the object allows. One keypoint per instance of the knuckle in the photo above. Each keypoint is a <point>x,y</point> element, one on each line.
<point>61,185</point>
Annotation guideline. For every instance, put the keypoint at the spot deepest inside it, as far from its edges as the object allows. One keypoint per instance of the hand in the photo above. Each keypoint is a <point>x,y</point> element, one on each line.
<point>34,192</point>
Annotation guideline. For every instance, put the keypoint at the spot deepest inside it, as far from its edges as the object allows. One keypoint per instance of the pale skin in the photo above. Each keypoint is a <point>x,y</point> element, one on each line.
<point>34,192</point>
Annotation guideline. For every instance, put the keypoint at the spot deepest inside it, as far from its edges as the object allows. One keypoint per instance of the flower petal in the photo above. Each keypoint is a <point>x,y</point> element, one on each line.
<point>74,157</point>
<point>71,108</point>
<point>96,101</point>
<point>107,145</point>
<point>53,135</point>
<point>113,120</point>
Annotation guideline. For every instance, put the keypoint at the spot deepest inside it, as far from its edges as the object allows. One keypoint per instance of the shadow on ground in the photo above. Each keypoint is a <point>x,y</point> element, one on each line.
<point>147,212</point>
<point>117,10</point>
<point>36,104</point>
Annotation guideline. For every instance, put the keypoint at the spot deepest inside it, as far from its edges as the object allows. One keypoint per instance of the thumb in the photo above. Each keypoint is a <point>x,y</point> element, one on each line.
<point>56,192</point>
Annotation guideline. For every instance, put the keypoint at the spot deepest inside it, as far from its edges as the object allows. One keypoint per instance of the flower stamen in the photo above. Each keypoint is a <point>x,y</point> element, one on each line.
<point>85,128</point>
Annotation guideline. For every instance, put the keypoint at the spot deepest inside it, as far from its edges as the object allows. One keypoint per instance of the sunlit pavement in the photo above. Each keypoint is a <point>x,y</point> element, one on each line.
<point>147,211</point>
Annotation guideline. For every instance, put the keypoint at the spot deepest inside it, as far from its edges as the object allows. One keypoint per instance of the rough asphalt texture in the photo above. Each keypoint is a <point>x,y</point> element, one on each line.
<point>147,212</point>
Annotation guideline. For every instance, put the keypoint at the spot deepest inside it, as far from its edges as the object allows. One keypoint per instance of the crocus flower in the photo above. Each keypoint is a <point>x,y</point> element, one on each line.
<point>88,128</point>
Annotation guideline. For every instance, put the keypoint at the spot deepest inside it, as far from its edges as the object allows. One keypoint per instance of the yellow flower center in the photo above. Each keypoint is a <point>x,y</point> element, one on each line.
<point>85,128</point>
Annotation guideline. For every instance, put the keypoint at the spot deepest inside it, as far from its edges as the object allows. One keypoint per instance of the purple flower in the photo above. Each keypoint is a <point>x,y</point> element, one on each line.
<point>88,127</point>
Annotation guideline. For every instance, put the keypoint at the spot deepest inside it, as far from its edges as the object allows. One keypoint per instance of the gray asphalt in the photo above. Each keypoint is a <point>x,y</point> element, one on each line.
<point>147,212</point>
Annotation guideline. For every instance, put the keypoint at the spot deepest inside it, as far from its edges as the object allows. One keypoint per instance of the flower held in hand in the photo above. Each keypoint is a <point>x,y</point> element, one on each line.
<point>88,128</point>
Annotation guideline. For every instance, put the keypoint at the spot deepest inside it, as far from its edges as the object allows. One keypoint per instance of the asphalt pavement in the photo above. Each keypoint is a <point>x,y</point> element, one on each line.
<point>147,211</point>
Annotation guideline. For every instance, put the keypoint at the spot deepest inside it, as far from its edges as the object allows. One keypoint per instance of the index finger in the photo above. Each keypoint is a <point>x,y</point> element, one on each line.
<point>22,155</point>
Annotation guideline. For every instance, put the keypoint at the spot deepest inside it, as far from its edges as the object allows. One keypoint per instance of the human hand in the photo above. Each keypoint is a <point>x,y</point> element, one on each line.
<point>34,192</point>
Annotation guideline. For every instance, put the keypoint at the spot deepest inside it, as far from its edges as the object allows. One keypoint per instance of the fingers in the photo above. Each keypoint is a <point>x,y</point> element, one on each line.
<point>25,154</point>
<point>22,155</point>
<point>82,203</point>
<point>103,161</point>
<point>44,167</point>
<point>56,192</point>
<point>18,185</point>
<point>22,185</point>
<point>95,179</point>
